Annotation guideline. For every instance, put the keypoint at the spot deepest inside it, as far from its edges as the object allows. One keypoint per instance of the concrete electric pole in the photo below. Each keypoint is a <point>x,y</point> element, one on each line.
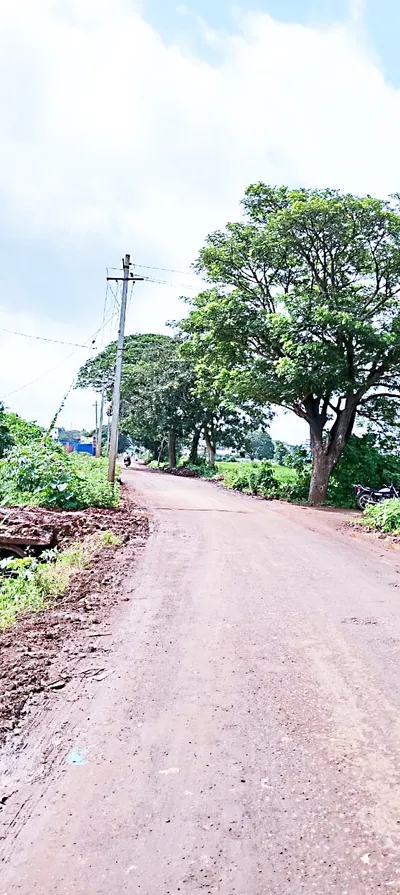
<point>113,449</point>
<point>100,426</point>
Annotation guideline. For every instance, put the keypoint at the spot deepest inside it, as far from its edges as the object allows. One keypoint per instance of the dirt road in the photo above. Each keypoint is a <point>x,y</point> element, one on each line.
<point>247,738</point>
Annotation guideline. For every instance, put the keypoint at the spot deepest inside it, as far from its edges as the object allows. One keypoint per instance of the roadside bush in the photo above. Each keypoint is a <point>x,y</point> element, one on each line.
<point>42,474</point>
<point>384,516</point>
<point>27,585</point>
<point>298,490</point>
<point>297,457</point>
<point>202,468</point>
<point>255,478</point>
<point>22,431</point>
<point>23,588</point>
<point>362,463</point>
<point>6,440</point>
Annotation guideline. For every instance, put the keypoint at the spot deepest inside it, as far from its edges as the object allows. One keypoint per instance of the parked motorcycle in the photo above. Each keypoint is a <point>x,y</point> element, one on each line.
<point>365,496</point>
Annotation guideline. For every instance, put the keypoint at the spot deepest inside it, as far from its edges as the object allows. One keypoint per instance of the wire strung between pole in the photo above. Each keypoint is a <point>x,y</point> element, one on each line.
<point>64,359</point>
<point>41,338</point>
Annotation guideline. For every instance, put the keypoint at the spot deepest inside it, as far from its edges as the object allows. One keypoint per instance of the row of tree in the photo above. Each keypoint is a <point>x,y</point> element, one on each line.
<point>302,312</point>
<point>163,405</point>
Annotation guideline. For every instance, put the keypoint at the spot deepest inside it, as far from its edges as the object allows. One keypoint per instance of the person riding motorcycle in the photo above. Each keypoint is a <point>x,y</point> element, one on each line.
<point>127,458</point>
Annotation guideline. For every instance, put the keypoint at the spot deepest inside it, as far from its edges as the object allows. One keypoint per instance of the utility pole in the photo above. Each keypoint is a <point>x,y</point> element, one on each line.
<point>96,428</point>
<point>96,418</point>
<point>100,428</point>
<point>108,412</point>
<point>113,449</point>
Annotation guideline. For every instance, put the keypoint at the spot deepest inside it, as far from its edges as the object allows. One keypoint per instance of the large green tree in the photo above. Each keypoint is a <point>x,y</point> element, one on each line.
<point>161,402</point>
<point>155,389</point>
<point>259,445</point>
<point>303,311</point>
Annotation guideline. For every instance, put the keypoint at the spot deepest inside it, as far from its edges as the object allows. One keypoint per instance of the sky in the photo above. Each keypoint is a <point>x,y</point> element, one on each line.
<point>136,125</point>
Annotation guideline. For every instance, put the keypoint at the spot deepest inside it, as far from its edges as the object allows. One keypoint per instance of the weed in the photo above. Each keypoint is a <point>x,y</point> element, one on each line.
<point>44,475</point>
<point>384,516</point>
<point>108,538</point>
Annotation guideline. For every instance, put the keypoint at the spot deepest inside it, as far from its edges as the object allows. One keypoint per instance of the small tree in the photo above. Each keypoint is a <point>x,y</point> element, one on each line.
<point>304,312</point>
<point>281,453</point>
<point>259,445</point>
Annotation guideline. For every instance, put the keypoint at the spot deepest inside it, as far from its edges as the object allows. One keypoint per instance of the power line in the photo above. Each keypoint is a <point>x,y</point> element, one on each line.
<point>165,269</point>
<point>41,338</point>
<point>168,283</point>
<point>64,359</point>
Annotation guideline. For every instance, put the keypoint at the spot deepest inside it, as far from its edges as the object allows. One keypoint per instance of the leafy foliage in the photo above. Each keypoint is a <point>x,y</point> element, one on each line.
<point>160,396</point>
<point>42,474</point>
<point>362,463</point>
<point>26,585</point>
<point>22,431</point>
<point>5,436</point>
<point>255,478</point>
<point>259,445</point>
<point>304,312</point>
<point>384,516</point>
<point>23,587</point>
<point>281,452</point>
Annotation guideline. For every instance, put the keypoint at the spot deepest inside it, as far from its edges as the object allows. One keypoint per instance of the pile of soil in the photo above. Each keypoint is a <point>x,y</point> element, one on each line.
<point>68,525</point>
<point>375,533</point>
<point>31,650</point>
<point>183,472</point>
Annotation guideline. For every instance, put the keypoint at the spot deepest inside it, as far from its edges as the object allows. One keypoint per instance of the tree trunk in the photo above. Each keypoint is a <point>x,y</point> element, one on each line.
<point>158,458</point>
<point>171,449</point>
<point>211,448</point>
<point>322,469</point>
<point>193,456</point>
<point>325,454</point>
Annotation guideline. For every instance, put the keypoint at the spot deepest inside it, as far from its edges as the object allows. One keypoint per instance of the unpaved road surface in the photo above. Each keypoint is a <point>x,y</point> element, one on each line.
<point>247,738</point>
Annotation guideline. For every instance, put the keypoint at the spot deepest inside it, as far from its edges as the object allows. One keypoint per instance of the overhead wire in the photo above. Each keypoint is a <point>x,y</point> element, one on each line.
<point>14,332</point>
<point>188,273</point>
<point>64,359</point>
<point>116,307</point>
<point>165,269</point>
<point>168,283</point>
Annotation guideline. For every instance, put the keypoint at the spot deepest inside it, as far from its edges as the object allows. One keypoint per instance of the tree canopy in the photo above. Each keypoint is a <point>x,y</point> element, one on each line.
<point>259,445</point>
<point>303,311</point>
<point>161,401</point>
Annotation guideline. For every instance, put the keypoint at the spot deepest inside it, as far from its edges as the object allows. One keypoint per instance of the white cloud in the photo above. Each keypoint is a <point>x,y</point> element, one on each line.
<point>357,10</point>
<point>109,134</point>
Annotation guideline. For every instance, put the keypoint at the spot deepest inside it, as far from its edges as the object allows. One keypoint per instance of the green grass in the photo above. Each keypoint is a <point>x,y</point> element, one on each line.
<point>109,539</point>
<point>384,516</point>
<point>28,585</point>
<point>282,473</point>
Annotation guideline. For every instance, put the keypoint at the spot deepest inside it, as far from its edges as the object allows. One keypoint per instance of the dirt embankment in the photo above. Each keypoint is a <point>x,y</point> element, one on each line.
<point>36,653</point>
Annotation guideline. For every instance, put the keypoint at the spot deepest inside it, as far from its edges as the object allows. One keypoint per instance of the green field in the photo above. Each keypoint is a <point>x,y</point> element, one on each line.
<point>283,473</point>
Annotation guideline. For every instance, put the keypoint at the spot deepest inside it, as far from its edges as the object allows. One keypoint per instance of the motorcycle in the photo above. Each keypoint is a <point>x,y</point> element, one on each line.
<point>366,496</point>
<point>127,461</point>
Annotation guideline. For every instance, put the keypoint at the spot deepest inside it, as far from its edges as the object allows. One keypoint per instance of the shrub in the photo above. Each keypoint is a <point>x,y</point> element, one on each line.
<point>384,516</point>
<point>42,474</point>
<point>255,478</point>
<point>362,463</point>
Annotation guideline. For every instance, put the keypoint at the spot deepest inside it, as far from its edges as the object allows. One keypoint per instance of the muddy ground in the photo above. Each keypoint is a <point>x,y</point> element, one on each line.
<point>36,654</point>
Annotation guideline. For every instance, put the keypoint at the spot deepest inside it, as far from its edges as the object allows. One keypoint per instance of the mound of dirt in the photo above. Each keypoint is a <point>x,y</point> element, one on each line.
<point>67,525</point>
<point>31,651</point>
